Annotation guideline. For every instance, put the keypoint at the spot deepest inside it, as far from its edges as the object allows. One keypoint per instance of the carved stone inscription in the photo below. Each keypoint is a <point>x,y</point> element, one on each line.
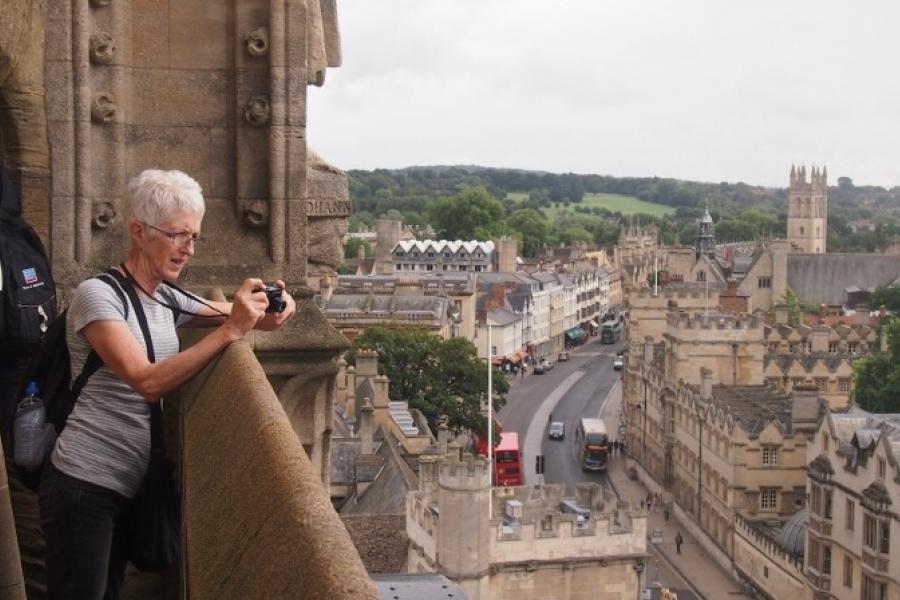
<point>328,207</point>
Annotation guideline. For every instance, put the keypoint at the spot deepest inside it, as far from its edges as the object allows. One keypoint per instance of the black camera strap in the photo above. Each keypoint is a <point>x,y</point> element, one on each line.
<point>175,309</point>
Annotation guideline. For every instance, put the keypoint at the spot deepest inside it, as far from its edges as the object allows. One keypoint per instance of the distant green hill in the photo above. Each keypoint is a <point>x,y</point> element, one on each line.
<point>627,205</point>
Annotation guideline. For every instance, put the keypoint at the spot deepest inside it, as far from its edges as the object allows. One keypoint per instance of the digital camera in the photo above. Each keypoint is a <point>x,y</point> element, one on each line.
<point>276,303</point>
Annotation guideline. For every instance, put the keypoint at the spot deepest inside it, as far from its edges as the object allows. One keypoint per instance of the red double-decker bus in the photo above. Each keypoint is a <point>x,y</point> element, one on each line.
<point>508,460</point>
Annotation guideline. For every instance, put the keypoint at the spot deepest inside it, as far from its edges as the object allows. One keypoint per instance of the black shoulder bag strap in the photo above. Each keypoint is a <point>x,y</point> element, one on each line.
<point>94,362</point>
<point>157,443</point>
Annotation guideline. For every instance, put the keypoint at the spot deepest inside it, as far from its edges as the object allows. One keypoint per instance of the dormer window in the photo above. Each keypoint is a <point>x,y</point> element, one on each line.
<point>770,456</point>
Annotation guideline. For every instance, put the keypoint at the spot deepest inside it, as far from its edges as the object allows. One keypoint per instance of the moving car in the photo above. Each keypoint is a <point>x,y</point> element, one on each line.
<point>563,356</point>
<point>557,431</point>
<point>542,367</point>
<point>618,363</point>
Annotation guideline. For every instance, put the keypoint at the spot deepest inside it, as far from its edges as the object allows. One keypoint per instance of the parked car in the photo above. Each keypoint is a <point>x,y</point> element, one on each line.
<point>557,431</point>
<point>563,356</point>
<point>542,367</point>
<point>618,363</point>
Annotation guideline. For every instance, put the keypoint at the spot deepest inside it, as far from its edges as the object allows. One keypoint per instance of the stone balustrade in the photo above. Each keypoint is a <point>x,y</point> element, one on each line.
<point>258,521</point>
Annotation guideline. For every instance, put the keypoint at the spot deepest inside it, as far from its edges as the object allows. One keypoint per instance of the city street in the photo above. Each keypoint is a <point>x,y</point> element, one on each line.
<point>572,389</point>
<point>579,387</point>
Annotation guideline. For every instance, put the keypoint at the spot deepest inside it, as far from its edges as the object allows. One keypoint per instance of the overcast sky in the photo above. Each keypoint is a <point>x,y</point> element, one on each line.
<point>710,90</point>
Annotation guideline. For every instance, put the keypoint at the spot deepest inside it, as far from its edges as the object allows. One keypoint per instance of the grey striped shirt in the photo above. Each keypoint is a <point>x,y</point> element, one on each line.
<point>106,440</point>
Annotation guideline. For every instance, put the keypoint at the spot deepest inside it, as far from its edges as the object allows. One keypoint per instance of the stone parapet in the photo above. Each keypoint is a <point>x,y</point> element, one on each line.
<point>258,522</point>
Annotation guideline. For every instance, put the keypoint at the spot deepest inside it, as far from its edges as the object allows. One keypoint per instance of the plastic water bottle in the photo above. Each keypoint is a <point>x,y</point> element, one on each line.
<point>33,435</point>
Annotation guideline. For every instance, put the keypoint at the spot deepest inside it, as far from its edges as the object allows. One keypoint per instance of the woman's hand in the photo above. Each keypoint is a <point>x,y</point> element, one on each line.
<point>248,308</point>
<point>272,321</point>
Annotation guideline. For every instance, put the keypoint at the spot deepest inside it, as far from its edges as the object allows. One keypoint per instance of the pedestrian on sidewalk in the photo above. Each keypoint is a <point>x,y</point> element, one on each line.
<point>678,542</point>
<point>615,447</point>
<point>666,513</point>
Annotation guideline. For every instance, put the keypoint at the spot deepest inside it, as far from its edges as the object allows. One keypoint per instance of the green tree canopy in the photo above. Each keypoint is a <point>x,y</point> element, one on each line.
<point>351,248</point>
<point>436,376</point>
<point>877,385</point>
<point>889,297</point>
<point>792,301</point>
<point>471,214</point>
<point>532,226</point>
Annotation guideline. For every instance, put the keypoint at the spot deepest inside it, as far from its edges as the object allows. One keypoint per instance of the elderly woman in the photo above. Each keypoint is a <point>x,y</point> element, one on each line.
<point>100,458</point>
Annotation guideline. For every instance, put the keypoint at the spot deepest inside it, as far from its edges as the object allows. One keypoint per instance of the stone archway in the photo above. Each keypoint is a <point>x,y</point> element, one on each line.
<point>24,145</point>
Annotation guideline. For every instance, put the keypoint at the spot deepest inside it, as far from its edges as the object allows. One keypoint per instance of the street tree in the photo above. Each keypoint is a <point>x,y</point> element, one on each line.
<point>471,214</point>
<point>877,375</point>
<point>532,227</point>
<point>436,376</point>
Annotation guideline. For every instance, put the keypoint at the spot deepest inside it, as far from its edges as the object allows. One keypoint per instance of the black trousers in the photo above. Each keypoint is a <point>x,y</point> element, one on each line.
<point>85,530</point>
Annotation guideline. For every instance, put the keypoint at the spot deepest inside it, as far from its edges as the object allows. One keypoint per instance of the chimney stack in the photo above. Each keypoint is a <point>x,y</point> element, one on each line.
<point>781,314</point>
<point>366,443</point>
<point>706,383</point>
<point>862,315</point>
<point>443,436</point>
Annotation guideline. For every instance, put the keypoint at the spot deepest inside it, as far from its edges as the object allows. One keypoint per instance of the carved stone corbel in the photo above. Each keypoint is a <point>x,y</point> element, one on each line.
<point>257,41</point>
<point>257,111</point>
<point>255,213</point>
<point>102,48</point>
<point>103,214</point>
<point>103,108</point>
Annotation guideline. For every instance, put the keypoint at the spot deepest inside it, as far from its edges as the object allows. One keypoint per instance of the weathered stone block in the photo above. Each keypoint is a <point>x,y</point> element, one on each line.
<point>59,25</point>
<point>221,225</point>
<point>221,167</point>
<point>184,148</point>
<point>179,98</point>
<point>59,91</point>
<point>150,33</point>
<point>252,162</point>
<point>199,34</point>
<point>62,158</point>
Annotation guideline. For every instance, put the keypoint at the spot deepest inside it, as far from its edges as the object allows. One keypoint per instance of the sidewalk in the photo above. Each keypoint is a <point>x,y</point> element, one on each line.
<point>694,564</point>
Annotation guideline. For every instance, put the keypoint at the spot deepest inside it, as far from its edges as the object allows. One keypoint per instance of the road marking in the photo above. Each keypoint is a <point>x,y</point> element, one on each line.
<point>535,433</point>
<point>614,388</point>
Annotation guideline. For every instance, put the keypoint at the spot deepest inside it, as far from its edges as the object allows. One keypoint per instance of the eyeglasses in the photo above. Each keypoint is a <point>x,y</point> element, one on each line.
<point>182,238</point>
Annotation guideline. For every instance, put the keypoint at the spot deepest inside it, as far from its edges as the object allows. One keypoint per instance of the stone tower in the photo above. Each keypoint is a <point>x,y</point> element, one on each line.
<point>506,249</point>
<point>808,210</point>
<point>387,235</point>
<point>706,236</point>
<point>463,537</point>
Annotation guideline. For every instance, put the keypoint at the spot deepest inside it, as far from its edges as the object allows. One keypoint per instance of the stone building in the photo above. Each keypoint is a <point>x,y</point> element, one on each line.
<point>819,355</point>
<point>442,302</point>
<point>732,458</point>
<point>807,222</point>
<point>853,524</point>
<point>521,542</point>
<point>443,255</point>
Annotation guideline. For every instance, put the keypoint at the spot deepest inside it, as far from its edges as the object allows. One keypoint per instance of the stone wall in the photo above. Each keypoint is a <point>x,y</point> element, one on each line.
<point>216,88</point>
<point>565,581</point>
<point>765,564</point>
<point>258,522</point>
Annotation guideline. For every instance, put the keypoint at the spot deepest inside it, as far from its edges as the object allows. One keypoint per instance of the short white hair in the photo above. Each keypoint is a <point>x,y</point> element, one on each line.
<point>155,195</point>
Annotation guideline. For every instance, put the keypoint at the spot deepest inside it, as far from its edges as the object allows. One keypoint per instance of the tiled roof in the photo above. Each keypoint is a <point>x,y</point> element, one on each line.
<point>754,405</point>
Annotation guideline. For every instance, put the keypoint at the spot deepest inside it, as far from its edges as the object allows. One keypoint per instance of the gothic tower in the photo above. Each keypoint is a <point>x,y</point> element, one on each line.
<point>808,210</point>
<point>706,236</point>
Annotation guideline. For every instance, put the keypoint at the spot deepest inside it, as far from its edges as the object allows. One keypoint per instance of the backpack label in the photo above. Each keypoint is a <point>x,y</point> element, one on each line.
<point>31,279</point>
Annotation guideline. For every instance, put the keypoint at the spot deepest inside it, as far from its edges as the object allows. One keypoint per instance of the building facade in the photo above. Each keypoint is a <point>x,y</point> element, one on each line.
<point>512,543</point>
<point>807,224</point>
<point>853,523</point>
